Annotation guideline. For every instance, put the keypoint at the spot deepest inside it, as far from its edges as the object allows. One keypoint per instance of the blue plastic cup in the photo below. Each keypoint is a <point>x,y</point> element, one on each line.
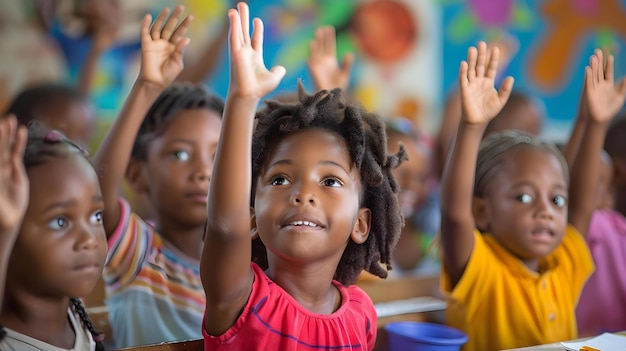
<point>422,336</point>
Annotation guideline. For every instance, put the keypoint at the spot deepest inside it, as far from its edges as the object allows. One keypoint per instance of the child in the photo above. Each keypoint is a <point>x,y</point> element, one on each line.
<point>56,249</point>
<point>58,107</point>
<point>319,194</point>
<point>513,266</point>
<point>419,206</point>
<point>163,141</point>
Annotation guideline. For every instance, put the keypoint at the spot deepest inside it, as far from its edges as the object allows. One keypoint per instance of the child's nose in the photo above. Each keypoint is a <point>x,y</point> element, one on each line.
<point>303,195</point>
<point>202,169</point>
<point>87,238</point>
<point>545,209</point>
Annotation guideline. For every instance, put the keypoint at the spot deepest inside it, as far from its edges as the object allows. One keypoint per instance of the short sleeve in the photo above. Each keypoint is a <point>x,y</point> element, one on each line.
<point>128,248</point>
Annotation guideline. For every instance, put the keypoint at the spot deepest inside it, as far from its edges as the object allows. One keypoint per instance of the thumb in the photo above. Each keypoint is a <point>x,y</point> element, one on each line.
<point>505,89</point>
<point>347,62</point>
<point>621,87</point>
<point>278,72</point>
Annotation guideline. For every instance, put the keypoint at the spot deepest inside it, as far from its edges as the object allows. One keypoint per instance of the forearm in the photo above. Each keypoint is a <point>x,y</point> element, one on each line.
<point>585,175</point>
<point>229,196</point>
<point>573,144</point>
<point>88,70</point>
<point>206,63</point>
<point>458,178</point>
<point>113,155</point>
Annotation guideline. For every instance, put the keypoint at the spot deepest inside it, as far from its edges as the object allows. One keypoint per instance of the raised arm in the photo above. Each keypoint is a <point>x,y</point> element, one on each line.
<point>105,20</point>
<point>225,267</point>
<point>604,99</point>
<point>480,103</point>
<point>573,144</point>
<point>323,65</point>
<point>205,64</point>
<point>13,189</point>
<point>161,62</point>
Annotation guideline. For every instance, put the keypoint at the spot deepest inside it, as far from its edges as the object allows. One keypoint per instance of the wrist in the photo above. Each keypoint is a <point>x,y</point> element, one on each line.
<point>148,88</point>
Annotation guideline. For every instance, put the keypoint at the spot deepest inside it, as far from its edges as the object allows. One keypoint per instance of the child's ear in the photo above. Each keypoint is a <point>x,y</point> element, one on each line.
<point>361,230</point>
<point>135,177</point>
<point>254,233</point>
<point>480,213</point>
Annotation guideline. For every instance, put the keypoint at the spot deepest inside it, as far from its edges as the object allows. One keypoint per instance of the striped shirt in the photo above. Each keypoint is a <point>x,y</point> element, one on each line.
<point>154,292</point>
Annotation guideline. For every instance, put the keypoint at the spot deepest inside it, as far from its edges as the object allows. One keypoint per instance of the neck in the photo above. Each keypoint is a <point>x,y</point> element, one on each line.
<point>533,265</point>
<point>42,318</point>
<point>309,284</point>
<point>187,239</point>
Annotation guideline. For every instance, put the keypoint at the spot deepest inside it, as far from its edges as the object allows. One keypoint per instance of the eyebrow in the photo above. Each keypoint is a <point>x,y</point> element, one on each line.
<point>185,141</point>
<point>61,204</point>
<point>325,162</point>
<point>525,183</point>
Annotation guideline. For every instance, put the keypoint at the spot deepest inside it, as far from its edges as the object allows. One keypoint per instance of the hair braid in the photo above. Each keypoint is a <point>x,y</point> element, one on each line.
<point>79,308</point>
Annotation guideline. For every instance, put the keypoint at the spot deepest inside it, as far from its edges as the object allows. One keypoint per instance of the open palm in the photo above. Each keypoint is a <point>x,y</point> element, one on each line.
<point>162,47</point>
<point>603,97</point>
<point>481,102</point>
<point>13,179</point>
<point>249,76</point>
<point>323,63</point>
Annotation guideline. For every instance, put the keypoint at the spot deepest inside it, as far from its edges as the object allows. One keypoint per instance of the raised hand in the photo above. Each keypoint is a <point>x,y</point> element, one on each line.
<point>323,64</point>
<point>480,100</point>
<point>13,179</point>
<point>249,78</point>
<point>104,18</point>
<point>162,47</point>
<point>602,97</point>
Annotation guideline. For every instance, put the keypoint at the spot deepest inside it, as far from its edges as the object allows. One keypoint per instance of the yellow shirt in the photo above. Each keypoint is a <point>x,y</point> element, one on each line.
<point>500,303</point>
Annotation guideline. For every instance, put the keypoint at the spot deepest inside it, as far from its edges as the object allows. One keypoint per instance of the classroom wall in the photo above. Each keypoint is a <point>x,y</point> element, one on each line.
<point>408,53</point>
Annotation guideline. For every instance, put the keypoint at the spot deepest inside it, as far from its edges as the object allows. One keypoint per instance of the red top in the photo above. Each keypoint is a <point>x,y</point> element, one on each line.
<point>273,320</point>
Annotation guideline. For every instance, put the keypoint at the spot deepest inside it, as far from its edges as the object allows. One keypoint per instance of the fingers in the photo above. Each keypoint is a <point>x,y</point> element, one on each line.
<point>463,81</point>
<point>330,40</point>
<point>347,62</point>
<point>593,73</point>
<point>621,87</point>
<point>155,32</point>
<point>481,58</point>
<point>600,66</point>
<point>257,35</point>
<point>506,89</point>
<point>236,37</point>
<point>494,61</point>
<point>19,146</point>
<point>589,83</point>
<point>244,16</point>
<point>145,29</point>
<point>609,69</point>
<point>172,21</point>
<point>181,30</point>
<point>472,54</point>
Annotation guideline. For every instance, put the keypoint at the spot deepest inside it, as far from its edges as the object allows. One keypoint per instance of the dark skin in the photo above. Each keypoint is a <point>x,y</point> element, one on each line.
<point>14,190</point>
<point>59,252</point>
<point>480,103</point>
<point>162,46</point>
<point>298,182</point>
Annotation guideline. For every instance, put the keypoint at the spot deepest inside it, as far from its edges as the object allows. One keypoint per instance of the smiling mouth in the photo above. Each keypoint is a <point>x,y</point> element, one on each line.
<point>303,224</point>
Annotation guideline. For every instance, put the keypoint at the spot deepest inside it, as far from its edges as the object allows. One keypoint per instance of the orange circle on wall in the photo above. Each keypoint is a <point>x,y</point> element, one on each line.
<point>384,30</point>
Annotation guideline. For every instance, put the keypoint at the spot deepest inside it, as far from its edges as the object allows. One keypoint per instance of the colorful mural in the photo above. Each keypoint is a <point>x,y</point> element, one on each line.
<point>550,41</point>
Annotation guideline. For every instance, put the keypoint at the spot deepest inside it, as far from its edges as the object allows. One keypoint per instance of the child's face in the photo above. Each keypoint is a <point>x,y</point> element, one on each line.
<point>525,203</point>
<point>411,175</point>
<point>61,247</point>
<point>179,165</point>
<point>74,118</point>
<point>307,199</point>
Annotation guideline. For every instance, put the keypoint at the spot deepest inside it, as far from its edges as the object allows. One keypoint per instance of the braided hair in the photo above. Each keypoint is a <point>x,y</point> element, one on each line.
<point>493,149</point>
<point>41,147</point>
<point>364,134</point>
<point>175,98</point>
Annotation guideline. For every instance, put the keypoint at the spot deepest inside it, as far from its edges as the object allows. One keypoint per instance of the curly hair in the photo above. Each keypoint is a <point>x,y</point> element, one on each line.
<point>177,97</point>
<point>41,147</point>
<point>364,134</point>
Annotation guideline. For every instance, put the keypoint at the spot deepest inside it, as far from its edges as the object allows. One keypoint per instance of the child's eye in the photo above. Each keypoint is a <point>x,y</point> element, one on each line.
<point>96,218</point>
<point>280,181</point>
<point>58,223</point>
<point>181,155</point>
<point>525,198</point>
<point>559,201</point>
<point>332,182</point>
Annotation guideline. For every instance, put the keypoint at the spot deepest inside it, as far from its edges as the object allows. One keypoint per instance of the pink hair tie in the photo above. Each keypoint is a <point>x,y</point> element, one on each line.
<point>53,136</point>
<point>98,338</point>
